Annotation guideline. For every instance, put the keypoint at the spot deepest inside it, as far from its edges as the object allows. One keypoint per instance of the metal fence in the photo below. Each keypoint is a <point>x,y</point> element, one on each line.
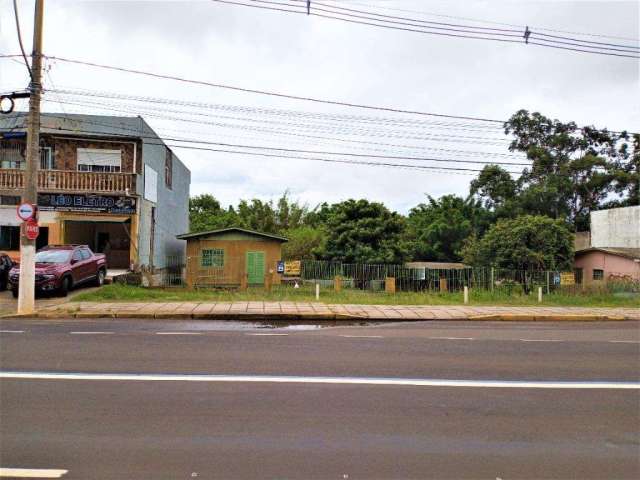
<point>231,273</point>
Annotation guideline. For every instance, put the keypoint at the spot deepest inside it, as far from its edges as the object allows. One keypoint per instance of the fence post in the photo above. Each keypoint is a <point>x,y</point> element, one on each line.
<point>539,294</point>
<point>337,283</point>
<point>548,282</point>
<point>492,280</point>
<point>317,291</point>
<point>443,285</point>
<point>390,285</point>
<point>466,295</point>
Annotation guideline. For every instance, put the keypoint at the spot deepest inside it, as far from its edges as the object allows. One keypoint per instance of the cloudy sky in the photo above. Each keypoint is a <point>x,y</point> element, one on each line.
<point>325,58</point>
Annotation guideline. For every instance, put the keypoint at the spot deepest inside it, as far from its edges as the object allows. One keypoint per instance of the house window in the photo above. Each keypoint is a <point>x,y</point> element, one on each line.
<point>598,274</point>
<point>12,155</point>
<point>168,169</point>
<point>99,160</point>
<point>9,238</point>
<point>213,257</point>
<point>9,200</point>
<point>46,158</point>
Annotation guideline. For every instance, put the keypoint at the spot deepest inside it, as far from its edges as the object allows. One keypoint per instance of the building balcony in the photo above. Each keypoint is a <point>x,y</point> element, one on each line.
<point>71,181</point>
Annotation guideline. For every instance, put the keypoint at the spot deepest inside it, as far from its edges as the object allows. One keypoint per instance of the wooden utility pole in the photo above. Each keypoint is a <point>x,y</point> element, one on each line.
<point>26,296</point>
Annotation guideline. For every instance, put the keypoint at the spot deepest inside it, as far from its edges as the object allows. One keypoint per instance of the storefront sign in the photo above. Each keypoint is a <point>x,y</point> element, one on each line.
<point>292,268</point>
<point>64,202</point>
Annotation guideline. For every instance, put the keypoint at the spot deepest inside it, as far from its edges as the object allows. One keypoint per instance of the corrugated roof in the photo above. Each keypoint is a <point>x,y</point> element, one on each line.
<point>632,253</point>
<point>186,236</point>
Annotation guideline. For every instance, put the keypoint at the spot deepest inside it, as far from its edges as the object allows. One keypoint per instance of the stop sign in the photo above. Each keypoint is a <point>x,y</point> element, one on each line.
<point>31,230</point>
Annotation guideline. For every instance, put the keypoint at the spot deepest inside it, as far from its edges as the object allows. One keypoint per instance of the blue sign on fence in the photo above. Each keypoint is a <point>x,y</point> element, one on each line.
<point>280,266</point>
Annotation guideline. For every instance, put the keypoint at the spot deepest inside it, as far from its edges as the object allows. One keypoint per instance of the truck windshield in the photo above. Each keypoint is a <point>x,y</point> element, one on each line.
<point>52,256</point>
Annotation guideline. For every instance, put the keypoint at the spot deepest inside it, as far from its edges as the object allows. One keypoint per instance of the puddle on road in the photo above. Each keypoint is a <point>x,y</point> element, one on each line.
<point>269,325</point>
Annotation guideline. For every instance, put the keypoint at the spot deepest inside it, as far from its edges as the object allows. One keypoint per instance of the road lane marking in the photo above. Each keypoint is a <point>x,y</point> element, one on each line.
<point>362,336</point>
<point>623,341</point>
<point>451,338</point>
<point>178,333</point>
<point>90,333</point>
<point>426,382</point>
<point>32,472</point>
<point>268,334</point>
<point>538,340</point>
<point>11,331</point>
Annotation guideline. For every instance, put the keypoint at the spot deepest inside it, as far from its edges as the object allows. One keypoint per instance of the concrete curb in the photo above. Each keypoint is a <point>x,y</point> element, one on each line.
<point>319,317</point>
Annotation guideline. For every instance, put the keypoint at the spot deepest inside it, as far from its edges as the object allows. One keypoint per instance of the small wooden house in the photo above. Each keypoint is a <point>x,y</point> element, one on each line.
<point>232,257</point>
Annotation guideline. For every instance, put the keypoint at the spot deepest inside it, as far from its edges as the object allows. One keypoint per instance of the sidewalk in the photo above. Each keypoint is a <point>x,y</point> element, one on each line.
<point>320,311</point>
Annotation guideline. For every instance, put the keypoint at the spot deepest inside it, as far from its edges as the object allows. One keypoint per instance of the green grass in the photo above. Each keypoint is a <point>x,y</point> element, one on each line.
<point>127,293</point>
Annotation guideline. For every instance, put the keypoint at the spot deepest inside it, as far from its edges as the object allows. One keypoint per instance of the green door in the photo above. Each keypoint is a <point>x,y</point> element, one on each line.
<point>255,267</point>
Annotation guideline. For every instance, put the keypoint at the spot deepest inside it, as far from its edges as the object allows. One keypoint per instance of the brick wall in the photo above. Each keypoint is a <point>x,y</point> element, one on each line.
<point>65,152</point>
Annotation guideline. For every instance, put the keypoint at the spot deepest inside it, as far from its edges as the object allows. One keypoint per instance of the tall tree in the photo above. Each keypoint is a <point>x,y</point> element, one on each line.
<point>438,229</point>
<point>205,213</point>
<point>527,242</point>
<point>364,232</point>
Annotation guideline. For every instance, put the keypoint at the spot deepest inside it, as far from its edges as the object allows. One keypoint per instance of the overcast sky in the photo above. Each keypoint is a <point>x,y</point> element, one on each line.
<point>324,58</point>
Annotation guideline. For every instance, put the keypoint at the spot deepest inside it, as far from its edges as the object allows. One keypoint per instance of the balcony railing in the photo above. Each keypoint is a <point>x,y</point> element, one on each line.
<point>71,181</point>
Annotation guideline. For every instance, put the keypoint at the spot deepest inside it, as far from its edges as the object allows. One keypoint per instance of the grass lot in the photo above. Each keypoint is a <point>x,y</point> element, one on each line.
<point>126,293</point>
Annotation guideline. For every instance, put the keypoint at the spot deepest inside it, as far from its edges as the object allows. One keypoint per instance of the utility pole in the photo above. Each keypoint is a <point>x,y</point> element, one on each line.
<point>26,297</point>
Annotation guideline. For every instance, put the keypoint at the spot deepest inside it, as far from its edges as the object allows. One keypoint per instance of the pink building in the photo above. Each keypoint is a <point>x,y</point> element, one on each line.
<point>595,264</point>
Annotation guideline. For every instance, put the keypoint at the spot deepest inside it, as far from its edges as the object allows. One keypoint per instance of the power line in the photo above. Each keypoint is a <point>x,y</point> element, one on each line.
<point>283,149</point>
<point>24,55</point>
<point>265,92</point>
<point>494,22</point>
<point>388,24</point>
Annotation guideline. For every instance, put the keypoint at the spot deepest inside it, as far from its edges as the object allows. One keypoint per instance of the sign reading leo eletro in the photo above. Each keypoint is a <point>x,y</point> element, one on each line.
<point>64,202</point>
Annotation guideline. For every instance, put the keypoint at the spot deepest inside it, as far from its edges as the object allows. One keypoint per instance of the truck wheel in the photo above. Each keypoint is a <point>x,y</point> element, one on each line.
<point>14,292</point>
<point>65,286</point>
<point>99,281</point>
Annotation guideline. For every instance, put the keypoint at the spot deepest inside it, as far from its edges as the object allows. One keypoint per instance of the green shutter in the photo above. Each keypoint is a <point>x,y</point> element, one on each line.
<point>255,267</point>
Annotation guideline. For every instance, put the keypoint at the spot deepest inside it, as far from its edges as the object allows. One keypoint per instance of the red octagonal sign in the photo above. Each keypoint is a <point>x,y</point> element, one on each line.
<point>31,230</point>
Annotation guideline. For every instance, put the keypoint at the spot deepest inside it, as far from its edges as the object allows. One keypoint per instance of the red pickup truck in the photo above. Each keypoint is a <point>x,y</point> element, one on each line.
<point>59,268</point>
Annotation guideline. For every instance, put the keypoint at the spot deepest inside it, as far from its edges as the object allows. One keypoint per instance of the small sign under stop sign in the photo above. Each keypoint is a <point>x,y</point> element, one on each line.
<point>26,211</point>
<point>31,230</point>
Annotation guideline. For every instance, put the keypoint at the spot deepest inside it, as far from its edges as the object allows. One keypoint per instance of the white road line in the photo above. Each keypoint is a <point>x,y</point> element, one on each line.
<point>11,331</point>
<point>32,472</point>
<point>451,338</point>
<point>90,333</point>
<point>178,333</point>
<point>268,334</point>
<point>362,336</point>
<point>428,382</point>
<point>538,340</point>
<point>623,341</point>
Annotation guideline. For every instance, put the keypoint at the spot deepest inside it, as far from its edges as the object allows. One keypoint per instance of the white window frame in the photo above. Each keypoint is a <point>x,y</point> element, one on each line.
<point>99,167</point>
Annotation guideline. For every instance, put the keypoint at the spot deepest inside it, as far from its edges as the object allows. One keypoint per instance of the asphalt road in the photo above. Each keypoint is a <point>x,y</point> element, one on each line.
<point>381,411</point>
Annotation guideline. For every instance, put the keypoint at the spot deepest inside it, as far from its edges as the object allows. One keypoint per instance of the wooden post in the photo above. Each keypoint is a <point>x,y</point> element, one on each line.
<point>492,280</point>
<point>539,294</point>
<point>466,295</point>
<point>244,282</point>
<point>548,282</point>
<point>317,291</point>
<point>390,285</point>
<point>337,283</point>
<point>267,282</point>
<point>443,285</point>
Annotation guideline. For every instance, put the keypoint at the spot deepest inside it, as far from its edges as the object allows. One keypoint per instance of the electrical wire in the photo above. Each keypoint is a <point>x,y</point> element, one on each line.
<point>24,54</point>
<point>265,92</point>
<point>388,24</point>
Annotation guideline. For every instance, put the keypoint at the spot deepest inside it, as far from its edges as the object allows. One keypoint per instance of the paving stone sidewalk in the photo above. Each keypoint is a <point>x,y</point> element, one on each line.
<point>312,310</point>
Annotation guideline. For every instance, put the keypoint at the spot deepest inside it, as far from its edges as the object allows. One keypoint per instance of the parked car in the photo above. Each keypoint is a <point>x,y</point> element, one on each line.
<point>6,264</point>
<point>59,268</point>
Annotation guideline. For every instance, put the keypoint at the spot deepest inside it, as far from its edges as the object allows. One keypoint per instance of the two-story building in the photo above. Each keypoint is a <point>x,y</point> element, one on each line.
<point>108,182</point>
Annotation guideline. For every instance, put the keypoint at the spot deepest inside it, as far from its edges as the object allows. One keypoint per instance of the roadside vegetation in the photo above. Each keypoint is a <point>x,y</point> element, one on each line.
<point>128,293</point>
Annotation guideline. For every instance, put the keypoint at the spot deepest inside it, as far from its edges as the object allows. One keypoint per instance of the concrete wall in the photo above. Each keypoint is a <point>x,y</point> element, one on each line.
<point>611,264</point>
<point>616,227</point>
<point>172,206</point>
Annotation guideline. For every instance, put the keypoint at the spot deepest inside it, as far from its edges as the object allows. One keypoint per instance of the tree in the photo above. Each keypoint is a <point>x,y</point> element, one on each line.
<point>496,190</point>
<point>573,172</point>
<point>363,232</point>
<point>529,242</point>
<point>205,213</point>
<point>438,229</point>
<point>303,243</point>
